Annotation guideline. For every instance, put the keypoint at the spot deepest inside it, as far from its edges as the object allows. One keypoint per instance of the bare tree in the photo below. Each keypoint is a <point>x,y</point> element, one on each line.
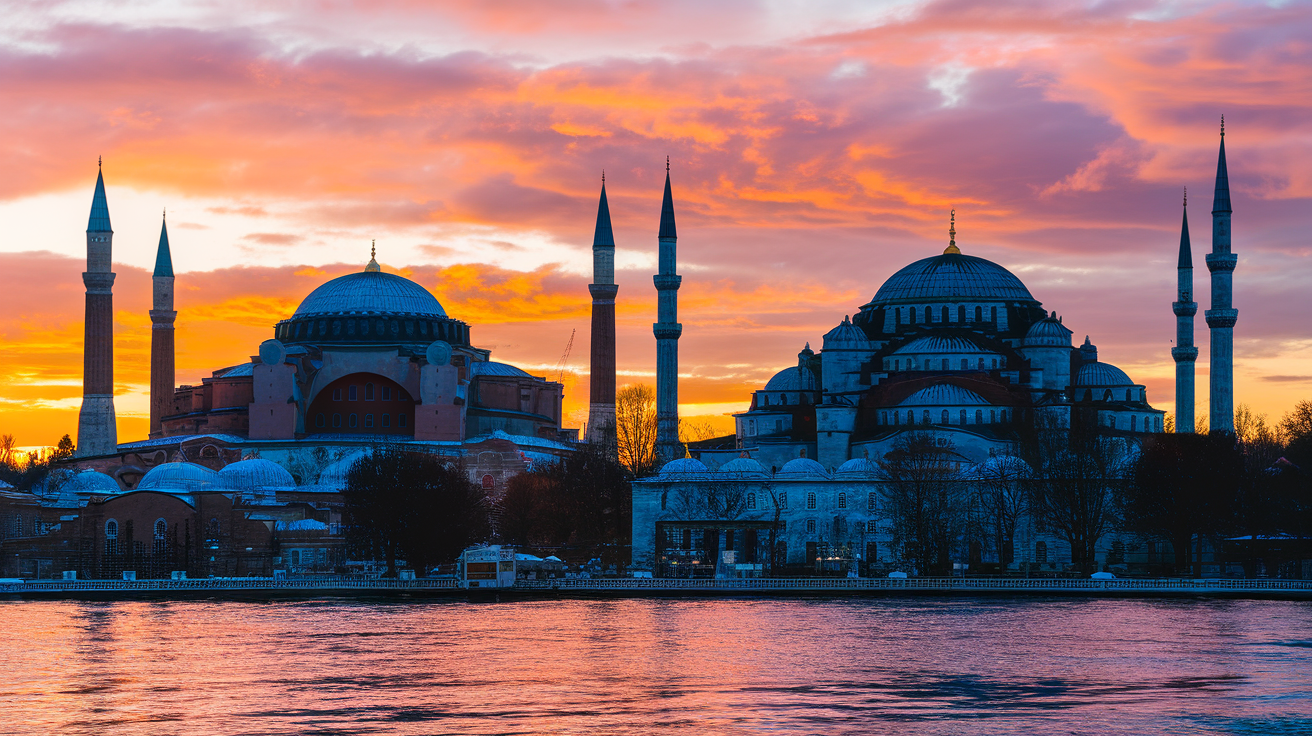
<point>690,431</point>
<point>924,497</point>
<point>718,500</point>
<point>635,428</point>
<point>1002,492</point>
<point>306,465</point>
<point>7,452</point>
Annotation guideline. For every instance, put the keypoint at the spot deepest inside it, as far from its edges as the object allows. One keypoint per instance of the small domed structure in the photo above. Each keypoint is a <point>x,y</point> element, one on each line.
<point>255,476</point>
<point>1047,333</point>
<point>90,482</point>
<point>846,335</point>
<point>334,476</point>
<point>178,477</point>
<point>802,468</point>
<point>793,379</point>
<point>685,468</point>
<point>1101,375</point>
<point>743,468</point>
<point>858,468</point>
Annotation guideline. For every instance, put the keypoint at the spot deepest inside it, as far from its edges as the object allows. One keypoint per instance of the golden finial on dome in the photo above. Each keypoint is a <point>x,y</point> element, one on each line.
<point>373,266</point>
<point>952,237</point>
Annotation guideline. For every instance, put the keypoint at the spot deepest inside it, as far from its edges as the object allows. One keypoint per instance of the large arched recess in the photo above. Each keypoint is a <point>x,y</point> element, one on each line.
<point>362,403</point>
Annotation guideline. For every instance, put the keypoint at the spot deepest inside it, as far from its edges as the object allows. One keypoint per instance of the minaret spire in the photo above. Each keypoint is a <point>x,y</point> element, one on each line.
<point>667,330</point>
<point>1184,353</point>
<point>1222,316</point>
<point>601,380</point>
<point>162,317</point>
<point>97,431</point>
<point>372,266</point>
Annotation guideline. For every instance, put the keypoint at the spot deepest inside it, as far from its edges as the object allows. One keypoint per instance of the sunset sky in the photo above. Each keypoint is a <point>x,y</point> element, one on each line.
<point>815,148</point>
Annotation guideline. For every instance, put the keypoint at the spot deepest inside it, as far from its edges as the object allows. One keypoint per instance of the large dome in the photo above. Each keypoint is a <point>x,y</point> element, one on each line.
<point>952,277</point>
<point>370,292</point>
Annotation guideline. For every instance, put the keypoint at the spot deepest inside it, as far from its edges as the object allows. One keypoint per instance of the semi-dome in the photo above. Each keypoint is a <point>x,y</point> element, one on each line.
<point>857,468</point>
<point>793,379</point>
<point>368,293</point>
<point>1047,333</point>
<point>170,477</point>
<point>743,467</point>
<point>1101,374</point>
<point>935,344</point>
<point>254,475</point>
<point>944,394</point>
<point>685,468</point>
<point>951,277</point>
<point>801,468</point>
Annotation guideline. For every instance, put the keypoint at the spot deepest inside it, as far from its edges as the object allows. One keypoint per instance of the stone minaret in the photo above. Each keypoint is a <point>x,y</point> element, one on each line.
<point>667,330</point>
<point>97,431</point>
<point>161,335</point>
<point>1184,351</point>
<point>601,403</point>
<point>1221,317</point>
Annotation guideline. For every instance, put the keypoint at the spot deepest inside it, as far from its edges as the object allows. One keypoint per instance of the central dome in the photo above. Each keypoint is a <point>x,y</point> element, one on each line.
<point>370,292</point>
<point>952,277</point>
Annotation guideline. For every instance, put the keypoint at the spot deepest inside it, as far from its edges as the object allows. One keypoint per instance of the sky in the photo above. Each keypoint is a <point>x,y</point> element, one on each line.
<point>815,147</point>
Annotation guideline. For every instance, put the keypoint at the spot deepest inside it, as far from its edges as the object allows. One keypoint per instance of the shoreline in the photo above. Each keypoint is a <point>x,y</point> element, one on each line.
<point>267,589</point>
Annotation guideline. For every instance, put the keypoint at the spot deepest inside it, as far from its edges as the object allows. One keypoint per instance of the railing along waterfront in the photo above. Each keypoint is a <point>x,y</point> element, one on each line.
<point>222,584</point>
<point>920,584</point>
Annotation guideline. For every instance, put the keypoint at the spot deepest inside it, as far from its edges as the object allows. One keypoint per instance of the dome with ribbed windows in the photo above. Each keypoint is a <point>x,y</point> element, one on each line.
<point>743,467</point>
<point>801,468</point>
<point>1047,333</point>
<point>368,293</point>
<point>255,475</point>
<point>685,468</point>
<point>858,468</point>
<point>793,379</point>
<point>173,477</point>
<point>951,277</point>
<point>1101,374</point>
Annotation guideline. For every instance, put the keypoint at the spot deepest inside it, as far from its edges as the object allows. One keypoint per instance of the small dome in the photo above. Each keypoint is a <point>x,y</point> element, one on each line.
<point>858,468</point>
<point>492,368</point>
<point>800,468</point>
<point>846,335</point>
<point>250,476</point>
<point>334,476</point>
<point>685,468</point>
<point>793,379</point>
<point>1101,374</point>
<point>1048,333</point>
<point>935,345</point>
<point>370,292</point>
<point>744,467</point>
<point>952,277</point>
<point>171,477</point>
<point>89,482</point>
<point>944,394</point>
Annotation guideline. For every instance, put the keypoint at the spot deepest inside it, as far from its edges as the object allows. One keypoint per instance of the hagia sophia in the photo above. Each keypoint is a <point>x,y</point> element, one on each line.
<point>952,345</point>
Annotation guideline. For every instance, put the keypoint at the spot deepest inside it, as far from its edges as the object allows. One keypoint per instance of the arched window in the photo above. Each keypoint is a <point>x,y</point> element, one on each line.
<point>870,502</point>
<point>945,365</point>
<point>111,529</point>
<point>945,416</point>
<point>351,393</point>
<point>318,420</point>
<point>368,392</point>
<point>945,314</point>
<point>979,314</point>
<point>887,363</point>
<point>912,314</point>
<point>924,417</point>
<point>1088,394</point>
<point>1134,423</point>
<point>387,421</point>
<point>981,364</point>
<point>767,400</point>
<point>995,364</point>
<point>883,417</point>
<point>897,364</point>
<point>929,315</point>
<point>488,483</point>
<point>961,313</point>
<point>979,416</point>
<point>842,500</point>
<point>993,416</point>
<point>751,500</point>
<point>911,416</point>
<point>897,315</point>
<point>1158,424</point>
<point>369,421</point>
<point>783,399</point>
<point>1127,395</point>
<point>1041,552</point>
<point>1111,421</point>
<point>352,421</point>
<point>337,421</point>
<point>810,500</point>
<point>993,315</point>
<point>965,364</point>
<point>1107,395</point>
<point>664,498</point>
<point>161,528</point>
<point>895,419</point>
<point>1003,415</point>
<point>387,393</point>
<point>963,417</point>
<point>401,420</point>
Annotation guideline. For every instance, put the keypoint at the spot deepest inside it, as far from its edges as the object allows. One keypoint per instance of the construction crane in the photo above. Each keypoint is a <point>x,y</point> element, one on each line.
<point>560,367</point>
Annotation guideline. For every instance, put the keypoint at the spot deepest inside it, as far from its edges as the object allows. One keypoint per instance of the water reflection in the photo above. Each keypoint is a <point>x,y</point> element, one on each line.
<point>658,666</point>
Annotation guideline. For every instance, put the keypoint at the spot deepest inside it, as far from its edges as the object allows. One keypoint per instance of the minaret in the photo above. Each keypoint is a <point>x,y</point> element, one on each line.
<point>1184,351</point>
<point>601,401</point>
<point>97,431</point>
<point>667,330</point>
<point>1221,317</point>
<point>161,335</point>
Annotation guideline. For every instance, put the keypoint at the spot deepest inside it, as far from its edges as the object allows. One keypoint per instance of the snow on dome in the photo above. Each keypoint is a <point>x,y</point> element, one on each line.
<point>685,468</point>
<point>1047,333</point>
<point>858,468</point>
<point>1102,374</point>
<point>800,468</point>
<point>793,379</point>
<point>255,474</point>
<point>944,394</point>
<point>743,467</point>
<point>171,477</point>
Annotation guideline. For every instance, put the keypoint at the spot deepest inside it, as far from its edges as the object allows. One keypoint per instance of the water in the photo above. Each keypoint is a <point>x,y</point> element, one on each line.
<point>926,666</point>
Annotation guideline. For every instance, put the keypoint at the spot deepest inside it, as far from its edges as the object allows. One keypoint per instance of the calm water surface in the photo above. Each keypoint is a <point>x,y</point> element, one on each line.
<point>657,666</point>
